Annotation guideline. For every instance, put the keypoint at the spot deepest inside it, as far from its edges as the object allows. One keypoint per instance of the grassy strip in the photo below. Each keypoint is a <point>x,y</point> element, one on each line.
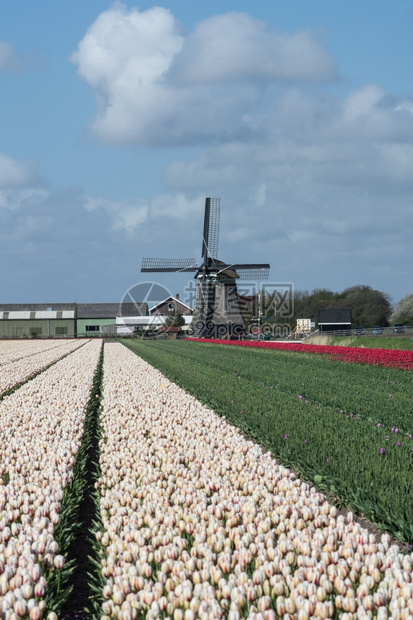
<point>77,594</point>
<point>273,398</point>
<point>398,343</point>
<point>35,374</point>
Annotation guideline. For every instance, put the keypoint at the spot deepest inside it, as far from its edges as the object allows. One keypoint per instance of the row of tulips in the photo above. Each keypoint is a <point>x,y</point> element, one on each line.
<point>13,350</point>
<point>347,427</point>
<point>199,522</point>
<point>41,427</point>
<point>21,360</point>
<point>378,357</point>
<point>382,396</point>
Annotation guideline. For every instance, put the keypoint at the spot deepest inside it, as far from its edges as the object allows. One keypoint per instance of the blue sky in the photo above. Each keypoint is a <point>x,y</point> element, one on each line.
<point>118,119</point>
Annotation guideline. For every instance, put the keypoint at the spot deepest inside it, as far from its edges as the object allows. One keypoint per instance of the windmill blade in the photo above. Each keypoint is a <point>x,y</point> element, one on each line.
<point>258,271</point>
<point>244,271</point>
<point>210,235</point>
<point>213,233</point>
<point>169,264</point>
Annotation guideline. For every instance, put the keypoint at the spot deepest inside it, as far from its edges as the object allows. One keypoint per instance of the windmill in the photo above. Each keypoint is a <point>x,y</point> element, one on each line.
<point>217,313</point>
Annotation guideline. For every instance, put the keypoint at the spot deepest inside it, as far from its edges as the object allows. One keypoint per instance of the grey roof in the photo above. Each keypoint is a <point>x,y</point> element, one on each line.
<point>84,311</point>
<point>36,307</point>
<point>31,315</point>
<point>182,303</point>
<point>110,311</point>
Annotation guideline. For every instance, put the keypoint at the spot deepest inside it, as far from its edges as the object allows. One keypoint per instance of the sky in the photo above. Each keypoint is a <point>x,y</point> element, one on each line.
<point>118,119</point>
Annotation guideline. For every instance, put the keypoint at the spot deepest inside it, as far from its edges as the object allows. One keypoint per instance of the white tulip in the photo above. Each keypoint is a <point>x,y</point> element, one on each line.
<point>41,426</point>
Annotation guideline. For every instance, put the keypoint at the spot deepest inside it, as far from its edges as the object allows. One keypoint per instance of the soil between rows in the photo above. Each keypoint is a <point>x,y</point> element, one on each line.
<point>83,549</point>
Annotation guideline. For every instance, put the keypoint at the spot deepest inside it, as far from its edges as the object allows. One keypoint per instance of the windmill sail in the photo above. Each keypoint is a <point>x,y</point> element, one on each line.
<point>253,271</point>
<point>210,235</point>
<point>169,264</point>
<point>244,271</point>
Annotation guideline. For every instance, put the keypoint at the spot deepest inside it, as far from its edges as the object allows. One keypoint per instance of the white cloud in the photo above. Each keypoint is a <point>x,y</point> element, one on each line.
<point>124,57</point>
<point>314,144</point>
<point>14,173</point>
<point>124,45</point>
<point>239,235</point>
<point>323,196</point>
<point>261,195</point>
<point>372,114</point>
<point>234,46</point>
<point>154,85</point>
<point>10,60</point>
<point>363,102</point>
<point>176,206</point>
<point>42,233</point>
<point>314,179</point>
<point>130,216</point>
<point>125,215</point>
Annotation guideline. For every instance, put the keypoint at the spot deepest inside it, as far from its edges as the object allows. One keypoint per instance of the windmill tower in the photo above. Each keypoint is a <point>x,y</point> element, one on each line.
<point>217,313</point>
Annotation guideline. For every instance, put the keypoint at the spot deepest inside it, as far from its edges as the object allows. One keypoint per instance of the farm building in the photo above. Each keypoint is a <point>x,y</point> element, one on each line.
<point>129,325</point>
<point>334,319</point>
<point>37,323</point>
<point>91,318</point>
<point>62,320</point>
<point>171,306</point>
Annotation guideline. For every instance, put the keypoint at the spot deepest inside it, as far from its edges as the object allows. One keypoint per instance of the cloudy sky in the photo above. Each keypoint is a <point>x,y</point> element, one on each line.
<point>119,118</point>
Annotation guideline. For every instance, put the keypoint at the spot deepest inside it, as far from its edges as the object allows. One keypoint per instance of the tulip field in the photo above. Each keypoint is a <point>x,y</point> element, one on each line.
<point>391,358</point>
<point>18,363</point>
<point>41,429</point>
<point>347,427</point>
<point>122,495</point>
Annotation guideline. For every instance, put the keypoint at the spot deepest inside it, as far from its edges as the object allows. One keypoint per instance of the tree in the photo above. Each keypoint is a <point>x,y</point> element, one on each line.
<point>369,306</point>
<point>403,312</point>
<point>306,304</point>
<point>177,320</point>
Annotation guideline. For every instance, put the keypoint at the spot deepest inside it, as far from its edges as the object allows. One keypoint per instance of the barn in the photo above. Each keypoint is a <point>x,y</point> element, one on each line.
<point>37,320</point>
<point>60,320</point>
<point>171,306</point>
<point>91,318</point>
<point>334,319</point>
